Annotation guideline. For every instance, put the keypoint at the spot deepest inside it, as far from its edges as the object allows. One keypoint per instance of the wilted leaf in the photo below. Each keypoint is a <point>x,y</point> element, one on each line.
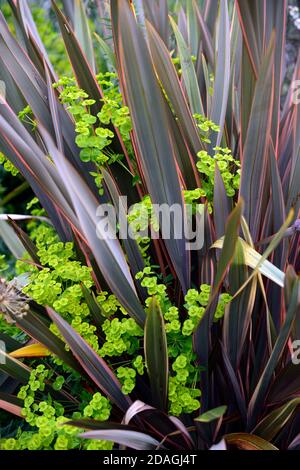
<point>32,350</point>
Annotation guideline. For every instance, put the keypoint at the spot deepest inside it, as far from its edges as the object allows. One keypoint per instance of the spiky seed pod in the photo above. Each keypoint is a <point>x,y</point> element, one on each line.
<point>13,304</point>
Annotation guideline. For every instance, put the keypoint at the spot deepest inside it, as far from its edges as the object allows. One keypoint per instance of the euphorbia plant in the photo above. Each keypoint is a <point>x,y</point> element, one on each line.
<point>142,341</point>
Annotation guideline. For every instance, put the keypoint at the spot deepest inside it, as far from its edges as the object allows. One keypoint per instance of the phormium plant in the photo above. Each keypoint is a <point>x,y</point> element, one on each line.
<point>141,340</point>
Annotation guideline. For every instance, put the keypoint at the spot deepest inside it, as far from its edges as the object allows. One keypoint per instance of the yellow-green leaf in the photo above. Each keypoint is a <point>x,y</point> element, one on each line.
<point>32,350</point>
<point>211,415</point>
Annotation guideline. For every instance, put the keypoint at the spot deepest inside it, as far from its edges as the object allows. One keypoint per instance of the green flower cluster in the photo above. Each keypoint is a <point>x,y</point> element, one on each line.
<point>195,303</point>
<point>154,288</point>
<point>109,304</point>
<point>91,138</point>
<point>58,284</point>
<point>228,166</point>
<point>149,280</point>
<point>85,329</point>
<point>190,196</point>
<point>46,417</point>
<point>98,445</point>
<point>151,283</point>
<point>224,299</point>
<point>172,324</point>
<point>138,364</point>
<point>141,216</point>
<point>183,395</point>
<point>182,391</point>
<point>193,205</point>
<point>112,111</point>
<point>27,117</point>
<point>8,166</point>
<point>99,408</point>
<point>36,384</point>
<point>41,234</point>
<point>35,209</point>
<point>121,336</point>
<point>182,368</point>
<point>182,399</point>
<point>205,127</point>
<point>65,438</point>
<point>127,377</point>
<point>93,133</point>
<point>171,314</point>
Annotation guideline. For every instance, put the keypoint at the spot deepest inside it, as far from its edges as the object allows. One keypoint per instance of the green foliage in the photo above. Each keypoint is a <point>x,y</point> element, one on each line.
<point>195,303</point>
<point>113,111</point>
<point>98,408</point>
<point>183,393</point>
<point>149,280</point>
<point>93,135</point>
<point>3,263</point>
<point>109,304</point>
<point>127,377</point>
<point>47,420</point>
<point>91,141</point>
<point>182,399</point>
<point>139,120</point>
<point>51,39</point>
<point>205,127</point>
<point>228,166</point>
<point>8,328</point>
<point>138,364</point>
<point>27,117</point>
<point>140,218</point>
<point>121,336</point>
<point>58,284</point>
<point>8,166</point>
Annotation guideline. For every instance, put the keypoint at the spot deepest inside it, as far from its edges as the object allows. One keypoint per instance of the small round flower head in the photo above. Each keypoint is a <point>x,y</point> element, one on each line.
<point>13,304</point>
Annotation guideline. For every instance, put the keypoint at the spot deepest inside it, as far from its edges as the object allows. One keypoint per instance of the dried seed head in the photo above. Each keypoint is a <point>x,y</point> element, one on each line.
<point>13,304</point>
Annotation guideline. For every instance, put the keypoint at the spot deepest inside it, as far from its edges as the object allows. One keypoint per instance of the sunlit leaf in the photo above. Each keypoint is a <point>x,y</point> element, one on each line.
<point>32,350</point>
<point>212,415</point>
